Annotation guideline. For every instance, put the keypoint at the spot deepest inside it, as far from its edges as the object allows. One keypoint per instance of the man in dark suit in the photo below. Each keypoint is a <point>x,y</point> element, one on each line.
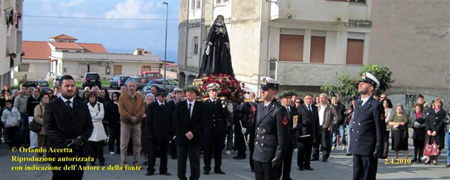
<point>292,114</point>
<point>159,130</point>
<point>272,133</point>
<point>215,116</point>
<point>367,138</point>
<point>241,115</point>
<point>68,124</point>
<point>189,124</point>
<point>308,128</point>
<point>178,98</point>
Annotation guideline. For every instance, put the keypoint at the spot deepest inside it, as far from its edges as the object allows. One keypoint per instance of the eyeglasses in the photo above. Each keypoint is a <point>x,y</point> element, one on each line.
<point>297,102</point>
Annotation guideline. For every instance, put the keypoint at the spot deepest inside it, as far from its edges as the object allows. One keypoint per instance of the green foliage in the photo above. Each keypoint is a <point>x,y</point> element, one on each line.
<point>383,75</point>
<point>347,87</point>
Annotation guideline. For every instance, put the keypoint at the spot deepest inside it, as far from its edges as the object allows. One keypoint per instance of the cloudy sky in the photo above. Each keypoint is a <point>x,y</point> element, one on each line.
<point>106,22</point>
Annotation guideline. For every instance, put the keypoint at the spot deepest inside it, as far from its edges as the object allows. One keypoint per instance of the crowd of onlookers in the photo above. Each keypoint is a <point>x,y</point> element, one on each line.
<point>18,108</point>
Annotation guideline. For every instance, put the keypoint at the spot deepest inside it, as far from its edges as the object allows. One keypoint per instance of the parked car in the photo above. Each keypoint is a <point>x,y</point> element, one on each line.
<point>41,84</point>
<point>117,81</point>
<point>92,79</point>
<point>141,81</point>
<point>151,74</point>
<point>56,81</point>
<point>169,84</point>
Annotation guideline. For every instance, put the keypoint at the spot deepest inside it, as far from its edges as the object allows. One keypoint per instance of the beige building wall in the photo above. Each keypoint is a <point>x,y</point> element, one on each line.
<point>412,39</point>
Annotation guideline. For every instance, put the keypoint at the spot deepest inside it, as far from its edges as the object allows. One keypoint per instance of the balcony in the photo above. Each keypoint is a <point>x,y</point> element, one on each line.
<point>327,11</point>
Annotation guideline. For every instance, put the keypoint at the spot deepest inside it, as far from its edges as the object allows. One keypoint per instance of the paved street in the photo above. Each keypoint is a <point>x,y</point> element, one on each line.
<point>338,166</point>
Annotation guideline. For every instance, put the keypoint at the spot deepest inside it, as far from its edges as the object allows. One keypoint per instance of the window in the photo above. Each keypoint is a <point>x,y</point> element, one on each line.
<point>193,4</point>
<point>358,1</point>
<point>24,68</point>
<point>221,1</point>
<point>291,47</point>
<point>195,44</point>
<point>198,4</point>
<point>355,50</point>
<point>317,49</point>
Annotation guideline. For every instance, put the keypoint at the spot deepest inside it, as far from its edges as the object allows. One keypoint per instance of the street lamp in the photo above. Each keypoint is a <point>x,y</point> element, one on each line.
<point>165,46</point>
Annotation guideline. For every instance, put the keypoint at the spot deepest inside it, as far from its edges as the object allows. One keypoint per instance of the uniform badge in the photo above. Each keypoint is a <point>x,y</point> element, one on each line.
<point>294,121</point>
<point>285,120</point>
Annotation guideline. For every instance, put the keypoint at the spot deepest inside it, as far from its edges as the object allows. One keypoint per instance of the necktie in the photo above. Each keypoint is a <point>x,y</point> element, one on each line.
<point>360,104</point>
<point>190,110</point>
<point>309,108</point>
<point>162,106</point>
<point>68,104</point>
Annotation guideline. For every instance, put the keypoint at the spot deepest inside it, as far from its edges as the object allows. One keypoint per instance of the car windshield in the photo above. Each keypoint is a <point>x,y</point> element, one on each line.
<point>92,76</point>
<point>43,83</point>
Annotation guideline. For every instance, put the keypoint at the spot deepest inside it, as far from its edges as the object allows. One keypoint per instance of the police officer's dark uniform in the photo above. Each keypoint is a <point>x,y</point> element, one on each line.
<point>272,136</point>
<point>367,139</point>
<point>293,116</point>
<point>215,124</point>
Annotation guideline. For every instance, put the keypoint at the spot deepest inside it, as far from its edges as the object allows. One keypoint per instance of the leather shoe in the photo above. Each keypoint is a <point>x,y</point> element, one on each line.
<point>239,157</point>
<point>324,160</point>
<point>206,172</point>
<point>314,159</point>
<point>165,173</point>
<point>149,173</point>
<point>309,168</point>
<point>300,168</point>
<point>414,160</point>
<point>219,171</point>
<point>348,154</point>
<point>448,165</point>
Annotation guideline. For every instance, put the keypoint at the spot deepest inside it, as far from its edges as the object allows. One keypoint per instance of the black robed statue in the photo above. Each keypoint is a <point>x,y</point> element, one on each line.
<point>216,58</point>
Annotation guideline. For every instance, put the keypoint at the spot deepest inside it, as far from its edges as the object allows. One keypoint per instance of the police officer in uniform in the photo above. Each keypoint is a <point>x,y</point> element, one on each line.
<point>215,124</point>
<point>367,137</point>
<point>272,133</point>
<point>292,114</point>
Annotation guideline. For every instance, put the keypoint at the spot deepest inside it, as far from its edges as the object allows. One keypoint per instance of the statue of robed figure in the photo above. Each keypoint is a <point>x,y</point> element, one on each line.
<point>216,58</point>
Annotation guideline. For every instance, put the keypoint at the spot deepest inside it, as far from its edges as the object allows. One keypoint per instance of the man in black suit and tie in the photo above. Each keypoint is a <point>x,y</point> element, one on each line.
<point>292,114</point>
<point>272,133</point>
<point>178,98</point>
<point>159,130</point>
<point>189,124</point>
<point>367,139</point>
<point>215,115</point>
<point>68,124</point>
<point>308,128</point>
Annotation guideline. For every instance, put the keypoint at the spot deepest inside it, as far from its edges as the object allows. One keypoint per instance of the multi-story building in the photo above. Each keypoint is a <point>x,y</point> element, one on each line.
<point>302,43</point>
<point>412,39</point>
<point>10,38</point>
<point>63,55</point>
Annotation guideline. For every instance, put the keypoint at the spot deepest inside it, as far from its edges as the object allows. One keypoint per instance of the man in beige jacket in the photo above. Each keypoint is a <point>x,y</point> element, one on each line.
<point>327,118</point>
<point>131,109</point>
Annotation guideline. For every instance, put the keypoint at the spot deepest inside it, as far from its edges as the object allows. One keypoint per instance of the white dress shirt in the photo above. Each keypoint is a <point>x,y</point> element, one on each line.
<point>322,114</point>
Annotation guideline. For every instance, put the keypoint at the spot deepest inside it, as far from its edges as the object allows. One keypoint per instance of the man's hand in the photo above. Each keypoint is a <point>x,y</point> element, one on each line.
<point>330,128</point>
<point>377,154</point>
<point>429,133</point>
<point>275,162</point>
<point>133,119</point>
<point>434,133</point>
<point>75,143</point>
<point>189,135</point>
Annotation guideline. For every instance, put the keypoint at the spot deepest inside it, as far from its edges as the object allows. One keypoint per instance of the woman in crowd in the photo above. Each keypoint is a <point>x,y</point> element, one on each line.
<point>418,133</point>
<point>388,114</point>
<point>98,135</point>
<point>114,123</point>
<point>399,129</point>
<point>435,128</point>
<point>149,99</point>
<point>39,118</point>
<point>349,121</point>
<point>104,94</point>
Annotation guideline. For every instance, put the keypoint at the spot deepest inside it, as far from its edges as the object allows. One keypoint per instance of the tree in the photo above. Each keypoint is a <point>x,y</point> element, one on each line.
<point>348,87</point>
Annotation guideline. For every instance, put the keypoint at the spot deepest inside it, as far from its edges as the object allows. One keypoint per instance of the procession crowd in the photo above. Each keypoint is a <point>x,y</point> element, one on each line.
<point>181,125</point>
